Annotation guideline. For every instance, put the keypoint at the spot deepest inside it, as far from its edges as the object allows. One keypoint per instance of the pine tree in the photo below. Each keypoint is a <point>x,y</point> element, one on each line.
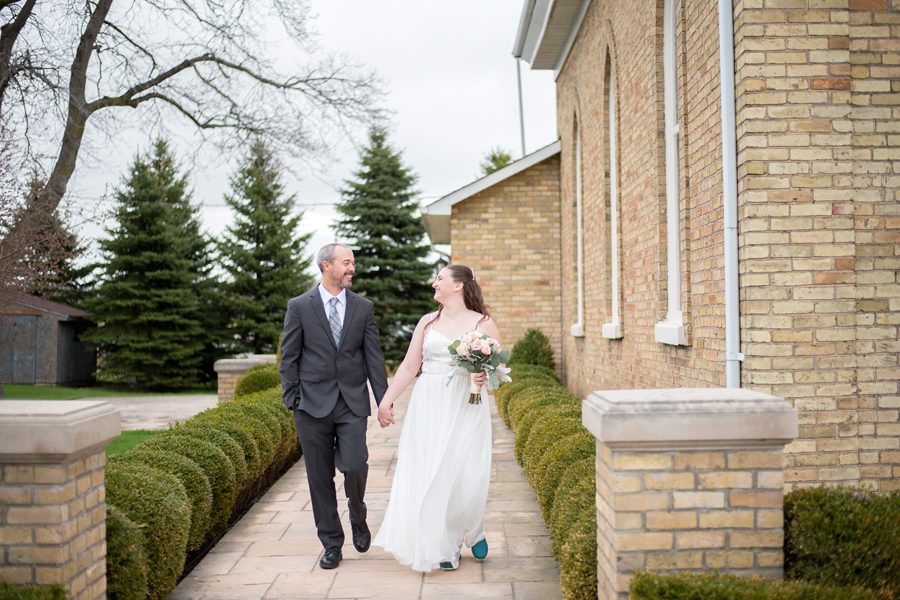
<point>495,160</point>
<point>380,221</point>
<point>149,304</point>
<point>262,253</point>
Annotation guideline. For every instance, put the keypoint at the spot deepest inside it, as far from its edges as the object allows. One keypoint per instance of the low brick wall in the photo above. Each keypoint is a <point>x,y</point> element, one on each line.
<point>688,480</point>
<point>52,496</point>
<point>230,370</point>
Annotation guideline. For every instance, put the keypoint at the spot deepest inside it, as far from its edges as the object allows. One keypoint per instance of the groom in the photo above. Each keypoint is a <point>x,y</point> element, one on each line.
<point>330,348</point>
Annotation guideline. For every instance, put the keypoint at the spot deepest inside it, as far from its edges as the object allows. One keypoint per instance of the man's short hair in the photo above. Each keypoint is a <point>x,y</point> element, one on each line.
<point>326,253</point>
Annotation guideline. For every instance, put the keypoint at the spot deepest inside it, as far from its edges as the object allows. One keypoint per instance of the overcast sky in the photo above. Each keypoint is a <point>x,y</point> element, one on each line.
<point>451,85</point>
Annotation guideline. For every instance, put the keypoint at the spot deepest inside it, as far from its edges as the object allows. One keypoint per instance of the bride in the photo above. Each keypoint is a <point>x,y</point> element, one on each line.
<point>444,458</point>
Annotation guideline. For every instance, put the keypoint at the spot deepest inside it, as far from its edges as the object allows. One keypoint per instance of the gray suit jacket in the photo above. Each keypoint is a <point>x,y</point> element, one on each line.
<point>314,371</point>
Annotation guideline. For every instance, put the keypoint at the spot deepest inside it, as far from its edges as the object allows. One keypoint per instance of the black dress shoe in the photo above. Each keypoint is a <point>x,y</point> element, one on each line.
<point>362,537</point>
<point>331,559</point>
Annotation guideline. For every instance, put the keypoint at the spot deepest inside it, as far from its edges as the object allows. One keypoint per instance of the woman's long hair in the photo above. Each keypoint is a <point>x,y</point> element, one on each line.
<point>471,291</point>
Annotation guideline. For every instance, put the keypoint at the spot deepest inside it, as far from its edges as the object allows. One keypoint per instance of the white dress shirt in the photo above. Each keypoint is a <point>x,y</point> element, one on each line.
<point>341,305</point>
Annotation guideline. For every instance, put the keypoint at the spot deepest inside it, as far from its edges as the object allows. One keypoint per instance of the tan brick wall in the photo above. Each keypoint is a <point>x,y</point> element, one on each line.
<point>675,511</point>
<point>818,101</point>
<point>818,222</point>
<point>53,525</point>
<point>632,34</point>
<point>509,235</point>
<point>226,385</point>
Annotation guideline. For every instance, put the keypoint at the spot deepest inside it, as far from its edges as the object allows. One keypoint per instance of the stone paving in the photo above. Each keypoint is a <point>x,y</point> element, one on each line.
<point>158,412</point>
<point>273,552</point>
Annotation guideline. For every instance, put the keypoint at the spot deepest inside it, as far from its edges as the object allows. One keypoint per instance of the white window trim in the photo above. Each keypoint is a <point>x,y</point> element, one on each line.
<point>613,329</point>
<point>577,329</point>
<point>671,330</point>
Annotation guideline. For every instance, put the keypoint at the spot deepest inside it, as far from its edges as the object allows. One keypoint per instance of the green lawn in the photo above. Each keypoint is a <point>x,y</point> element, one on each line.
<point>14,391</point>
<point>130,439</point>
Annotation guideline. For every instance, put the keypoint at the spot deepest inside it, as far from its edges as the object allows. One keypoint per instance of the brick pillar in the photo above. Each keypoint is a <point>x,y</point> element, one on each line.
<point>688,480</point>
<point>230,370</point>
<point>52,496</point>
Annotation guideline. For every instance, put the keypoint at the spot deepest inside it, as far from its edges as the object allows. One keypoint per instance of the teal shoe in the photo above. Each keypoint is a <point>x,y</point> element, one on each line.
<point>480,550</point>
<point>449,566</point>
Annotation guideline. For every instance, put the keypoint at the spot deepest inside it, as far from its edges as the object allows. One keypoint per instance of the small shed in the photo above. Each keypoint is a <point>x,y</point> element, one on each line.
<point>40,342</point>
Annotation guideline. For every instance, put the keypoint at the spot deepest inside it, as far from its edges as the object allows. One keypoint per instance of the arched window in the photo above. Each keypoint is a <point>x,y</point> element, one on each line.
<point>578,326</point>
<point>612,329</point>
<point>671,330</point>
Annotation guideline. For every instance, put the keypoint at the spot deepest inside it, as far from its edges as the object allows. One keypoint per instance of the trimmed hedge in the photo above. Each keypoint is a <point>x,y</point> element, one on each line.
<point>157,503</point>
<point>240,447</point>
<point>126,566</point>
<point>843,537</point>
<point>647,586</point>
<point>191,476</point>
<point>578,558</point>
<point>15,591</point>
<point>552,466</point>
<point>258,379</point>
<point>544,433</point>
<point>574,495</point>
<point>540,394</point>
<point>532,413</point>
<point>534,349</point>
<point>226,444</point>
<point>505,393</point>
<point>557,454</point>
<point>215,465</point>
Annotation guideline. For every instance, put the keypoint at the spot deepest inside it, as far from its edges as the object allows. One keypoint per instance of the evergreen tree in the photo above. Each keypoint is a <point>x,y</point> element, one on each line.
<point>155,273</point>
<point>495,160</point>
<point>380,221</point>
<point>262,253</point>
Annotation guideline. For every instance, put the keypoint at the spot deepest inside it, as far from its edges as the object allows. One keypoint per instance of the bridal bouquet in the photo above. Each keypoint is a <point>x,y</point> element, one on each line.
<point>476,352</point>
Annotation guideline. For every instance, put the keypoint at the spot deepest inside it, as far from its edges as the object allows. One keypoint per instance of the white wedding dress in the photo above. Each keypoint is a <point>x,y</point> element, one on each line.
<point>443,469</point>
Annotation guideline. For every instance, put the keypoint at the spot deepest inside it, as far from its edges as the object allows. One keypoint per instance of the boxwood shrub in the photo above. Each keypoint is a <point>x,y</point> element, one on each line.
<point>711,586</point>
<point>157,503</point>
<point>257,379</point>
<point>254,435</point>
<point>215,465</point>
<point>532,413</point>
<point>191,476</point>
<point>519,370</point>
<point>843,537</point>
<point>126,565</point>
<point>505,393</point>
<point>541,394</point>
<point>578,558</point>
<point>574,494</point>
<point>552,466</point>
<point>15,591</point>
<point>226,444</point>
<point>544,433</point>
<point>237,426</point>
<point>533,348</point>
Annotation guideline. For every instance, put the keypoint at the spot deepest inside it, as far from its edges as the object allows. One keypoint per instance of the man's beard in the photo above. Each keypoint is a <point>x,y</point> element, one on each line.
<point>342,283</point>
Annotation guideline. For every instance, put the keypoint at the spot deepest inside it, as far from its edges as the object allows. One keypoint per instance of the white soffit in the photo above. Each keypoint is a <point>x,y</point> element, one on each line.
<point>547,30</point>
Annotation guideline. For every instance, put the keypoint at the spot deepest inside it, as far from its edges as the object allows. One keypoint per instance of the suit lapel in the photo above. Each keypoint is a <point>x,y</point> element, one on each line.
<point>315,301</point>
<point>352,302</point>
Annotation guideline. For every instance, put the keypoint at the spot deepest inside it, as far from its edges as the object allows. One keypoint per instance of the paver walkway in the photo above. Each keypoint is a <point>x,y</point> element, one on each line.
<point>273,552</point>
<point>158,412</point>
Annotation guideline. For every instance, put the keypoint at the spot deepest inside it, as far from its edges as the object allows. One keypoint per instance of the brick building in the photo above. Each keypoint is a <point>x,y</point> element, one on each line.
<point>733,226</point>
<point>505,226</point>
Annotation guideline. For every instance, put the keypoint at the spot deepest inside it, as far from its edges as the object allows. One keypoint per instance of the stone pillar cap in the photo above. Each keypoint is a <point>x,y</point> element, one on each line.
<point>241,364</point>
<point>37,431</point>
<point>685,417</point>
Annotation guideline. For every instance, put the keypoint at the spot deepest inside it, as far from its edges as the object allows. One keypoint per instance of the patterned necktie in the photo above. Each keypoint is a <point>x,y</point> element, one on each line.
<point>334,321</point>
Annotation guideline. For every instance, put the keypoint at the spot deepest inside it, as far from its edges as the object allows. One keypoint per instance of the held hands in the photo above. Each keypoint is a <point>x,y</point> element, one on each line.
<point>386,414</point>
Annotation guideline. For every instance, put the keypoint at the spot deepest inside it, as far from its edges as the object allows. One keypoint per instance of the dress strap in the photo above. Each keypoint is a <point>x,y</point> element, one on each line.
<point>483,318</point>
